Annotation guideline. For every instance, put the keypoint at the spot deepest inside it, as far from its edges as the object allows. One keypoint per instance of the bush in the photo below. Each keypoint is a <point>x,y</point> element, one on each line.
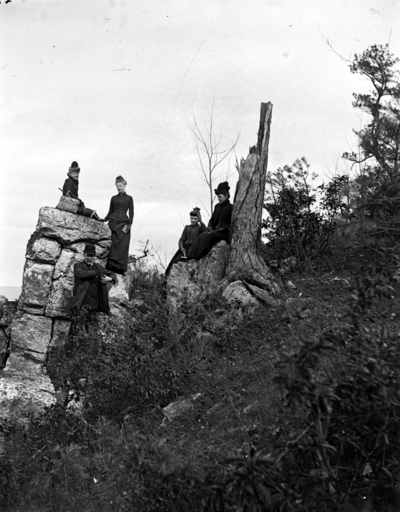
<point>296,226</point>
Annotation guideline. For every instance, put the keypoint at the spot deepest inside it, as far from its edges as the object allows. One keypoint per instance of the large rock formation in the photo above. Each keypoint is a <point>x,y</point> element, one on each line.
<point>42,319</point>
<point>192,281</point>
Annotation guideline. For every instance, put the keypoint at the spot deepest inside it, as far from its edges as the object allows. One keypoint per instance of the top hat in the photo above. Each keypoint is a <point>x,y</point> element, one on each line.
<point>90,249</point>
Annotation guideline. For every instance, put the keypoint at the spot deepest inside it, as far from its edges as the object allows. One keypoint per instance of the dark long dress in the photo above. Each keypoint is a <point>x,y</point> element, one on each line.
<point>117,218</point>
<point>220,223</point>
<point>189,235</point>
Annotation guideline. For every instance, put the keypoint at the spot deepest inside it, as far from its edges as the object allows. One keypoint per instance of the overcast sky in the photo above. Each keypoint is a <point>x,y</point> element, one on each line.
<point>114,83</point>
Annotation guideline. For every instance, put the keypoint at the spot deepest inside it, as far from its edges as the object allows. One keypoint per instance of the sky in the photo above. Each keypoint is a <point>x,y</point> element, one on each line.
<point>115,85</point>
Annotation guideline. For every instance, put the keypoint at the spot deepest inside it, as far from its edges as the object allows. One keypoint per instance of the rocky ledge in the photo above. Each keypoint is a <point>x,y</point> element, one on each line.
<point>42,317</point>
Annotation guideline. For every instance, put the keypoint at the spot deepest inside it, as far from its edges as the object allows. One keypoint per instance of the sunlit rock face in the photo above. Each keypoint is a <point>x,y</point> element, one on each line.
<point>192,281</point>
<point>42,318</point>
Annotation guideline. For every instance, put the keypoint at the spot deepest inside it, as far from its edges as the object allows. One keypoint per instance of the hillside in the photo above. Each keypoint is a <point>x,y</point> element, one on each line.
<point>260,423</point>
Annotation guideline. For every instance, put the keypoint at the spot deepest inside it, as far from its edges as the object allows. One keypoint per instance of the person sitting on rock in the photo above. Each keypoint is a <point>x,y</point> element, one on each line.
<point>218,226</point>
<point>189,235</point>
<point>90,293</point>
<point>70,189</point>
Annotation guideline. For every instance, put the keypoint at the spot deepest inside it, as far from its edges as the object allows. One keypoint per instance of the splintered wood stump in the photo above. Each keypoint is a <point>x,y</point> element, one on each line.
<point>245,261</point>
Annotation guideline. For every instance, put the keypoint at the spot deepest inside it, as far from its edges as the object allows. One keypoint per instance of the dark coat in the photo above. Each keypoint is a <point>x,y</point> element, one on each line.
<point>119,205</point>
<point>71,187</point>
<point>189,235</point>
<point>83,274</point>
<point>221,217</point>
<point>220,222</point>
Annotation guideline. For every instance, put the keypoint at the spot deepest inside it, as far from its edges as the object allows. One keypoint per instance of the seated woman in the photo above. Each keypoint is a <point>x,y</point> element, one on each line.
<point>218,227</point>
<point>71,187</point>
<point>120,225</point>
<point>189,235</point>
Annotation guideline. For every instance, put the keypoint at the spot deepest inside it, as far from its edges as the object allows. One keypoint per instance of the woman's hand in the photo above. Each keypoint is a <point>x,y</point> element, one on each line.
<point>126,228</point>
<point>106,279</point>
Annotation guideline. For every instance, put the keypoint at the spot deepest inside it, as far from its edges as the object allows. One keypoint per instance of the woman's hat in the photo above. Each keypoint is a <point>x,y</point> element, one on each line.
<point>120,178</point>
<point>74,167</point>
<point>223,188</point>
<point>90,250</point>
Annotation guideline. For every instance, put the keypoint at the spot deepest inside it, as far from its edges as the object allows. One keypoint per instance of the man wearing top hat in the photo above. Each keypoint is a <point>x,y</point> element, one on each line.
<point>90,288</point>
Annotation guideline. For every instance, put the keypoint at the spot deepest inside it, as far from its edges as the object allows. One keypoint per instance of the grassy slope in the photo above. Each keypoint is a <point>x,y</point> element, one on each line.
<point>99,466</point>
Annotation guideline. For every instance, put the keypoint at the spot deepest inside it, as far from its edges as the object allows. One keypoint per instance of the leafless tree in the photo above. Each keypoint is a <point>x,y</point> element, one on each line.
<point>210,154</point>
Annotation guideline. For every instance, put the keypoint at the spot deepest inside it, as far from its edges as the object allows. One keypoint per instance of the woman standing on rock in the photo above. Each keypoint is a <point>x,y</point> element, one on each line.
<point>120,225</point>
<point>71,188</point>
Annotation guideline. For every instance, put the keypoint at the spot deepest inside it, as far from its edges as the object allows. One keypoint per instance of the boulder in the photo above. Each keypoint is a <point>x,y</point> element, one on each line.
<point>68,228</point>
<point>31,335</point>
<point>23,386</point>
<point>36,287</point>
<point>65,264</point>
<point>43,250</point>
<point>3,301</point>
<point>237,294</point>
<point>60,333</point>
<point>7,314</point>
<point>263,296</point>
<point>178,408</point>
<point>192,281</point>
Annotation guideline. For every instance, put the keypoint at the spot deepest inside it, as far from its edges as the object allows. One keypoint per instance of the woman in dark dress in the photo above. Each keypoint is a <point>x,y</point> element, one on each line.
<point>71,188</point>
<point>218,226</point>
<point>120,224</point>
<point>189,235</point>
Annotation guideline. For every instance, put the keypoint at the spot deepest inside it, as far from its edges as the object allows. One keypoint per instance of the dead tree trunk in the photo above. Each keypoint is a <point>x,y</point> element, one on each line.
<point>245,261</point>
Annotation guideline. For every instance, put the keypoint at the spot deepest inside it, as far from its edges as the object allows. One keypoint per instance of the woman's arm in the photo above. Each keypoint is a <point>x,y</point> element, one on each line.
<point>182,240</point>
<point>131,211</point>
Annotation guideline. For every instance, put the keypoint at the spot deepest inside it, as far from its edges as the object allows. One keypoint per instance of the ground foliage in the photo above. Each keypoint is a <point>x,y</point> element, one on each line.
<point>294,414</point>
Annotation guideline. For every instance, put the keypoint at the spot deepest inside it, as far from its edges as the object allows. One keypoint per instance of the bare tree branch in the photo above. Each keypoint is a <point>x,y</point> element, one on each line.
<point>209,154</point>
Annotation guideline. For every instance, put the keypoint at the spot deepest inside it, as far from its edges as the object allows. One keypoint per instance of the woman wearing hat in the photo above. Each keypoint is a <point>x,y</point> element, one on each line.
<point>120,224</point>
<point>71,188</point>
<point>189,235</point>
<point>218,226</point>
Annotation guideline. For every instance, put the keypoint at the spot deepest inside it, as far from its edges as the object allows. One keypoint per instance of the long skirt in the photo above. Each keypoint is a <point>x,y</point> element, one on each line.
<point>119,251</point>
<point>177,257</point>
<point>203,243</point>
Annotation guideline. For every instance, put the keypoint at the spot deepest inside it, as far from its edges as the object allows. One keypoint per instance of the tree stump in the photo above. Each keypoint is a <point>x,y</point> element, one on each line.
<point>245,261</point>
<point>243,266</point>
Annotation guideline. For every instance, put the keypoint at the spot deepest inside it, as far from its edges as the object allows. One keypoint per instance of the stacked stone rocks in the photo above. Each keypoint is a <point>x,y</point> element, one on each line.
<point>42,319</point>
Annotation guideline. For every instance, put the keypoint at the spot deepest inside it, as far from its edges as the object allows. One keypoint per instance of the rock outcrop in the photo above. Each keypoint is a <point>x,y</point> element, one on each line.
<point>190,282</point>
<point>42,319</point>
<point>8,310</point>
